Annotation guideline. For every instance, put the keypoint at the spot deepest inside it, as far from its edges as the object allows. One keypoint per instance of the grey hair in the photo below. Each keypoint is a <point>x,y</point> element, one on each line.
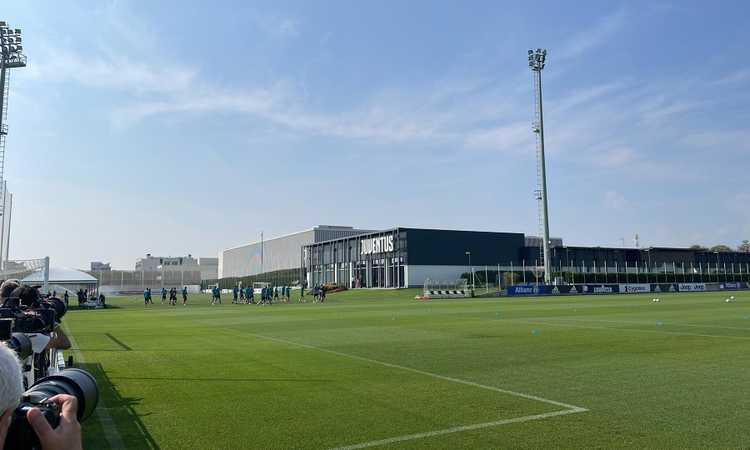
<point>11,381</point>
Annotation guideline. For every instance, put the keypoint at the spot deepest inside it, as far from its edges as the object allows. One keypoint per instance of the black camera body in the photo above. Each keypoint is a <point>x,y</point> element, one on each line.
<point>21,435</point>
<point>75,382</point>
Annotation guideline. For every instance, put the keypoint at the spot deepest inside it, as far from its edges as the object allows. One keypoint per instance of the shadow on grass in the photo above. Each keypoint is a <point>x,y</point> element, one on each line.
<point>72,307</point>
<point>121,409</point>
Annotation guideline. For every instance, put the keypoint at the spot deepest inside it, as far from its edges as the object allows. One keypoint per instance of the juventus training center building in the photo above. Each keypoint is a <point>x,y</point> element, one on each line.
<point>403,257</point>
<point>407,257</point>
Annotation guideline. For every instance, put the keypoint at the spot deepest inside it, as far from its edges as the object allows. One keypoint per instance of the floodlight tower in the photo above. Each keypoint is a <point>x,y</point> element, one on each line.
<point>537,60</point>
<point>11,57</point>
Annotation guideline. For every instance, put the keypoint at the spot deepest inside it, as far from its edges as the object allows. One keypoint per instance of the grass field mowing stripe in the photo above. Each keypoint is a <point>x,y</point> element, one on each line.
<point>102,413</point>
<point>478,426</point>
<point>422,372</point>
<point>636,330</point>
<point>677,324</point>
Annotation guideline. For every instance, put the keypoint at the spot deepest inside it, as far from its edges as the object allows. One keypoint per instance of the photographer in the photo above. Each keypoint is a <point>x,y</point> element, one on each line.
<point>67,435</point>
<point>7,288</point>
<point>29,296</point>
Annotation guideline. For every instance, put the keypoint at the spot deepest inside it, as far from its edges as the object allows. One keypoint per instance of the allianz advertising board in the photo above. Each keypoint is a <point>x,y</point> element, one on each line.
<point>635,288</point>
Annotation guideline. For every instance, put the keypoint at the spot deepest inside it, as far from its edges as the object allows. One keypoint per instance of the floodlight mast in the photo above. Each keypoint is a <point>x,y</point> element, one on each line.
<point>11,57</point>
<point>537,60</point>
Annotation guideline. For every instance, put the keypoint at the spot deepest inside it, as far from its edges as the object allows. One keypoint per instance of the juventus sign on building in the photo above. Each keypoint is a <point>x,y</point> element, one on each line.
<point>381,244</point>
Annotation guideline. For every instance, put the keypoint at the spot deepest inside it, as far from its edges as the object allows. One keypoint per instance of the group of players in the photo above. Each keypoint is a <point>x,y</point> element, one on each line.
<point>172,296</point>
<point>268,295</point>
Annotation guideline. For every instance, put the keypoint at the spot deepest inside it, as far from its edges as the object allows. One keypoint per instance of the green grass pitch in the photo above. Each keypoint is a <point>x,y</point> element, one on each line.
<point>377,369</point>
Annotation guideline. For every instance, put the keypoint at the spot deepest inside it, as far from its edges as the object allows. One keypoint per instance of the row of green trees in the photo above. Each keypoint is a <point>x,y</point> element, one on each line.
<point>744,247</point>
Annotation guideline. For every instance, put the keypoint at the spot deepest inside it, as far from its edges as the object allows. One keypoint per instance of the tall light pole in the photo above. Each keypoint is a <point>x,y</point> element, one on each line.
<point>11,57</point>
<point>471,269</point>
<point>536,63</point>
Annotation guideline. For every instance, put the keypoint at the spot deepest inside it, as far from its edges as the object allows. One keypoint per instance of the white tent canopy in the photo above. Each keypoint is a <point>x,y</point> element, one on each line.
<point>64,278</point>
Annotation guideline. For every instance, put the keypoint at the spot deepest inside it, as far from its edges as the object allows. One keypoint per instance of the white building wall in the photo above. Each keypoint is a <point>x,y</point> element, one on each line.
<point>417,275</point>
<point>280,253</point>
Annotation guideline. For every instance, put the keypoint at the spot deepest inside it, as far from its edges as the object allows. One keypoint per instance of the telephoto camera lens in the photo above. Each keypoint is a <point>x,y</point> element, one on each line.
<point>58,306</point>
<point>75,382</point>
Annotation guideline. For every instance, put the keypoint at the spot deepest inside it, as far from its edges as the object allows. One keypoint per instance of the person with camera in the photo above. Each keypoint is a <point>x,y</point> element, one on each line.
<point>66,436</point>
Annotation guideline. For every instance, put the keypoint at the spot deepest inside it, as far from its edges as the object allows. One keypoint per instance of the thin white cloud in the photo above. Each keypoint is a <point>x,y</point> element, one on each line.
<point>516,137</point>
<point>615,200</point>
<point>276,26</point>
<point>615,157</point>
<point>583,41</point>
<point>726,140</point>
<point>737,77</point>
<point>116,72</point>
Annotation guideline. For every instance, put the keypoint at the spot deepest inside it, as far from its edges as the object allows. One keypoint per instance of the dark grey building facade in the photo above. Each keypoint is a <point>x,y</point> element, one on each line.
<point>404,257</point>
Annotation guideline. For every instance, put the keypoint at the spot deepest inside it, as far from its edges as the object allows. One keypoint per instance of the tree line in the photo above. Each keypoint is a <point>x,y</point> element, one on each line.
<point>744,247</point>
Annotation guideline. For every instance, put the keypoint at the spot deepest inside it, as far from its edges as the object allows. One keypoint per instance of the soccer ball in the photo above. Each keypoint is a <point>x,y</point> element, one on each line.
<point>727,300</point>
<point>731,297</point>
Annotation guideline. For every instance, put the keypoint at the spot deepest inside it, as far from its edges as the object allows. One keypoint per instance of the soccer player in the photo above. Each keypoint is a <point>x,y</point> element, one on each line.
<point>276,293</point>
<point>163,295</point>
<point>234,294</point>
<point>242,295</point>
<point>302,293</point>
<point>184,295</point>
<point>249,295</point>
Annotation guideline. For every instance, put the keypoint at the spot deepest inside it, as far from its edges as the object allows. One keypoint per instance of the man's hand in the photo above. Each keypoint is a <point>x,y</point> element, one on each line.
<point>67,435</point>
<point>4,426</point>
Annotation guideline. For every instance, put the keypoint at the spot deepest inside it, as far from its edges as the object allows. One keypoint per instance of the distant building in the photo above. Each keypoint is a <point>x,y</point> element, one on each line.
<point>536,241</point>
<point>98,266</point>
<point>209,268</point>
<point>278,253</point>
<point>166,263</point>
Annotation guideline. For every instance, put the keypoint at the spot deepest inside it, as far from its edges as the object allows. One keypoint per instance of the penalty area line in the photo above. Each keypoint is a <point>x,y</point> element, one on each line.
<point>459,429</point>
<point>567,406</point>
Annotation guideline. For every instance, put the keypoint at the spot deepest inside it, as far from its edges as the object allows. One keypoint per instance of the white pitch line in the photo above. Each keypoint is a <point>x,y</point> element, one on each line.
<point>478,426</point>
<point>572,408</point>
<point>102,412</point>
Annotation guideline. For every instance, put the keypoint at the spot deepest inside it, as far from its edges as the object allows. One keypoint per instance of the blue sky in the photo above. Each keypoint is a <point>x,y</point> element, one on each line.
<point>171,128</point>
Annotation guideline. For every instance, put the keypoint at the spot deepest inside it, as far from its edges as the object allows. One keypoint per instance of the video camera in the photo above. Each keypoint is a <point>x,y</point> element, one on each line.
<point>75,382</point>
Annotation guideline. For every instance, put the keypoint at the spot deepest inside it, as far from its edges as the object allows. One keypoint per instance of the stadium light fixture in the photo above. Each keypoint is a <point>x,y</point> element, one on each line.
<point>11,57</point>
